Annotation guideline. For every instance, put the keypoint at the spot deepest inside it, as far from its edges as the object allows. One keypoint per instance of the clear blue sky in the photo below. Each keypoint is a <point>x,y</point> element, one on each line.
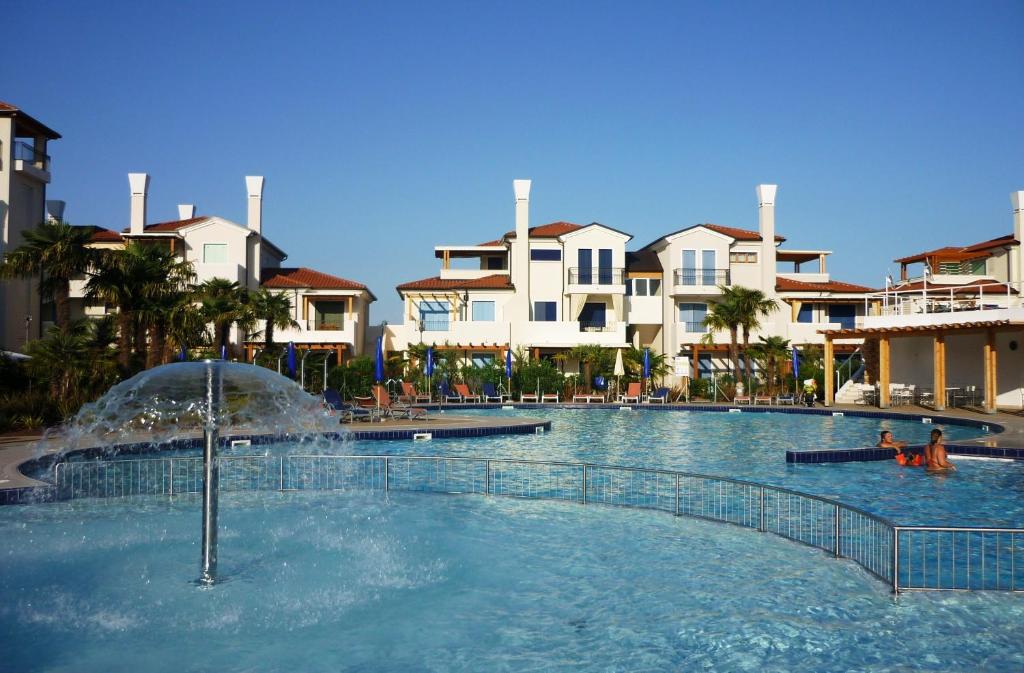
<point>386,128</point>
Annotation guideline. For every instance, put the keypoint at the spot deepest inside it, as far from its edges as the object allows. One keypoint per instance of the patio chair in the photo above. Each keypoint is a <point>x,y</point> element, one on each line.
<point>491,394</point>
<point>742,399</point>
<point>633,392</point>
<point>446,393</point>
<point>659,396</point>
<point>366,408</point>
<point>549,397</point>
<point>394,408</point>
<point>332,400</point>
<point>463,390</point>
<point>411,395</point>
<point>788,398</point>
<point>529,397</point>
<point>761,398</point>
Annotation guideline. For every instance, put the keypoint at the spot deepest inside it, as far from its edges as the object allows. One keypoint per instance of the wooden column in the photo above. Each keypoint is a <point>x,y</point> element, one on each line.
<point>990,359</point>
<point>830,372</point>
<point>883,372</point>
<point>939,369</point>
<point>695,365</point>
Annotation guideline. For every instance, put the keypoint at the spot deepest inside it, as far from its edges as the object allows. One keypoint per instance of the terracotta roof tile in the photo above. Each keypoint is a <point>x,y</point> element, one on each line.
<point>172,225</point>
<point>498,281</point>
<point>7,107</point>
<point>296,277</point>
<point>550,230</point>
<point>961,253</point>
<point>102,235</point>
<point>738,234</point>
<point>783,284</point>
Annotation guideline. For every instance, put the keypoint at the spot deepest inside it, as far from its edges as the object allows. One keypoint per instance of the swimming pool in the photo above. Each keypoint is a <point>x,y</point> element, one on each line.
<point>367,582</point>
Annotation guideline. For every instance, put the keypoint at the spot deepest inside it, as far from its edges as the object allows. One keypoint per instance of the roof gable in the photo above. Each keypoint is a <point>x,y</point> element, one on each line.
<point>303,277</point>
<point>583,229</point>
<point>783,284</point>
<point>497,281</point>
<point>733,233</point>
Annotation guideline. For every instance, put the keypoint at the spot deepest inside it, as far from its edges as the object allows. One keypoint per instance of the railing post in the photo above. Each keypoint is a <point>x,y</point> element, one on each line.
<point>487,477</point>
<point>677,494</point>
<point>280,473</point>
<point>583,490</point>
<point>387,473</point>
<point>762,524</point>
<point>838,548</point>
<point>895,560</point>
<point>171,482</point>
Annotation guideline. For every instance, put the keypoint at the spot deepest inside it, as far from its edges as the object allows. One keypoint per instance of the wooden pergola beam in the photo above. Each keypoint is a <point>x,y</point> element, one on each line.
<point>830,367</point>
<point>883,372</point>
<point>939,371</point>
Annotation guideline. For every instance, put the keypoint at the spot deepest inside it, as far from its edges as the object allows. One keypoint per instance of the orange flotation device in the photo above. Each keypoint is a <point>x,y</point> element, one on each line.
<point>909,461</point>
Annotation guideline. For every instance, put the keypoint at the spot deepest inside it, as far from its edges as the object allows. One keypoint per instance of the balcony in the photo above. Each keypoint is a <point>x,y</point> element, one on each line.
<point>700,281</point>
<point>322,325</point>
<point>569,333</point>
<point>605,278</point>
<point>32,162</point>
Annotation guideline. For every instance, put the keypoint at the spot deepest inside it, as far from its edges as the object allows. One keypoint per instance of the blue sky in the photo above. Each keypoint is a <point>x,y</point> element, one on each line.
<point>386,128</point>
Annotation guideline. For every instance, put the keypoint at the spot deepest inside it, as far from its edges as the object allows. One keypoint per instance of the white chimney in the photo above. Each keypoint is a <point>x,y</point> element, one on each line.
<point>766,227</point>
<point>254,183</point>
<point>520,262</point>
<point>186,211</point>
<point>1016,265</point>
<point>139,184</point>
<point>55,211</point>
<point>254,187</point>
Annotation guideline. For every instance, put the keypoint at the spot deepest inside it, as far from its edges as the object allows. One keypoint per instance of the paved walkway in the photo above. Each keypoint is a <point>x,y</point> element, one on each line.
<point>16,449</point>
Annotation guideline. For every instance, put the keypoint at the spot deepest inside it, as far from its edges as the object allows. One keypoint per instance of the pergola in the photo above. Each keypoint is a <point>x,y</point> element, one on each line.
<point>884,335</point>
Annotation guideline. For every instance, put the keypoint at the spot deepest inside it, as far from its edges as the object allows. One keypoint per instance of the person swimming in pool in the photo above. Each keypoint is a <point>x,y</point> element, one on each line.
<point>886,441</point>
<point>935,458</point>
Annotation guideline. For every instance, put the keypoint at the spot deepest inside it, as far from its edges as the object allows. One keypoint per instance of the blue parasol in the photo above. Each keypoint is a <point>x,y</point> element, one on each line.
<point>508,362</point>
<point>796,363</point>
<point>647,363</point>
<point>183,354</point>
<point>378,370</point>
<point>224,352</point>
<point>429,371</point>
<point>291,359</point>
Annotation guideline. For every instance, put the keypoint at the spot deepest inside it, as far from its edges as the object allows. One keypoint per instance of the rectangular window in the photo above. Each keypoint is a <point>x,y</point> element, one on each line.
<point>643,287</point>
<point>705,366</point>
<point>707,265</point>
<point>543,255</point>
<point>329,315</point>
<point>545,311</point>
<point>604,266</point>
<point>496,263</point>
<point>483,311</point>
<point>481,360</point>
<point>743,257</point>
<point>806,313</point>
<point>592,317</point>
<point>844,314</point>
<point>434,316</point>
<point>585,263</point>
<point>691,317</point>
<point>688,274</point>
<point>215,253</point>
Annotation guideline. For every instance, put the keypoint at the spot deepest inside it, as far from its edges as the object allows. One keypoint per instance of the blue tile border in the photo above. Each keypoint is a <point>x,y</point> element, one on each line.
<point>873,453</point>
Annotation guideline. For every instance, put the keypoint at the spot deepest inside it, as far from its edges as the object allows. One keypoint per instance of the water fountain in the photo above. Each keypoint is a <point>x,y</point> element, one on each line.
<point>212,398</point>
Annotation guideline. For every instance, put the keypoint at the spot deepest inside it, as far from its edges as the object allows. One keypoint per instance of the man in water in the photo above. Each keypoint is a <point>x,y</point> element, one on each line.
<point>935,458</point>
<point>887,442</point>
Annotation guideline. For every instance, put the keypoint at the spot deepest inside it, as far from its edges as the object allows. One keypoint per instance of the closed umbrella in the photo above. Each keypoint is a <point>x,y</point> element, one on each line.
<point>224,352</point>
<point>291,359</point>
<point>647,366</point>
<point>378,369</point>
<point>619,370</point>
<point>182,354</point>
<point>508,369</point>
<point>796,364</point>
<point>429,370</point>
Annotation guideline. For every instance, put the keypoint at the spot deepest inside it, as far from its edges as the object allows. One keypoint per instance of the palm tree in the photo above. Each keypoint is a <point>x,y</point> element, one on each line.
<point>118,281</point>
<point>590,356</point>
<point>751,306</point>
<point>166,283</point>
<point>57,252</point>
<point>724,315</point>
<point>633,361</point>
<point>769,353</point>
<point>225,304</point>
<point>275,309</point>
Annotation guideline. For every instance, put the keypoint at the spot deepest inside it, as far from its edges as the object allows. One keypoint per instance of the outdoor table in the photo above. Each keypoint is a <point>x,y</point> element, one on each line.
<point>950,395</point>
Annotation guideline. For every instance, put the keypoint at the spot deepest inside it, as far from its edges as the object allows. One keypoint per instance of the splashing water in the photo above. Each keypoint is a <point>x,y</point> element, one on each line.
<point>169,402</point>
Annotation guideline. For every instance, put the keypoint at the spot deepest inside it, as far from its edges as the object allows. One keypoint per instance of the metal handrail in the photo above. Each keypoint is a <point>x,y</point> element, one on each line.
<point>702,277</point>
<point>967,296</point>
<point>597,275</point>
<point>25,152</point>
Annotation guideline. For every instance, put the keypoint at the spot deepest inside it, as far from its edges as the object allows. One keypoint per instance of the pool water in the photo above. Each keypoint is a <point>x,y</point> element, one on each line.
<point>415,582</point>
<point>753,446</point>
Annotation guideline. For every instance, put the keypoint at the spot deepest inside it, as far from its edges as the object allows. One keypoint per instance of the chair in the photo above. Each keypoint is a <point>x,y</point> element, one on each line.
<point>366,408</point>
<point>529,397</point>
<point>788,398</point>
<point>549,397</point>
<point>761,398</point>
<point>633,392</point>
<point>395,409</point>
<point>446,393</point>
<point>742,399</point>
<point>332,400</point>
<point>410,393</point>
<point>660,396</point>
<point>463,390</point>
<point>491,394</point>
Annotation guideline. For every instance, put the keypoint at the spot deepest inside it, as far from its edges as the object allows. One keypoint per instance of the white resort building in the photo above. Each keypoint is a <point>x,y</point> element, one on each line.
<point>948,332</point>
<point>331,312</point>
<point>551,287</point>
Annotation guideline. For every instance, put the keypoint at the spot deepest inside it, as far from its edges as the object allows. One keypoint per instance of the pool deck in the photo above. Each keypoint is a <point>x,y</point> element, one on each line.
<point>18,448</point>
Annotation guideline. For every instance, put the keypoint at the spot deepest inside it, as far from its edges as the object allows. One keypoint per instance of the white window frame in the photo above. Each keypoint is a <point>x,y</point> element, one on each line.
<point>221,246</point>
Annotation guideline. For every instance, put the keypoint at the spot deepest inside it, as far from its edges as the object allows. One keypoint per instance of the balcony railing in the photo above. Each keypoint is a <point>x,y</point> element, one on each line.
<point>593,326</point>
<point>325,325</point>
<point>596,276</point>
<point>434,325</point>
<point>693,327</point>
<point>702,277</point>
<point>25,152</point>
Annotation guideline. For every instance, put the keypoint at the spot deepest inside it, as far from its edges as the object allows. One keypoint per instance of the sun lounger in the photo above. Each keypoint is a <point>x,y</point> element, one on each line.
<point>762,399</point>
<point>632,394</point>
<point>742,399</point>
<point>659,396</point>
<point>491,394</point>
<point>393,408</point>
<point>463,390</point>
<point>788,398</point>
<point>412,396</point>
<point>549,397</point>
<point>529,397</point>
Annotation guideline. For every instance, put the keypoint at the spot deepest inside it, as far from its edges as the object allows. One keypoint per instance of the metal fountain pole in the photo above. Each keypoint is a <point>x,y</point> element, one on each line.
<point>211,474</point>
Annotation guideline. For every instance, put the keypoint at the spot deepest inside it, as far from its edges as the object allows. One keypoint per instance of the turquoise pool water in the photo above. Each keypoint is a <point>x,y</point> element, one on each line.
<point>753,446</point>
<point>362,582</point>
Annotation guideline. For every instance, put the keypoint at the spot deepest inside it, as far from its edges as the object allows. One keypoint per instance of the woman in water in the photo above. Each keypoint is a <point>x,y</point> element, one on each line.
<point>935,458</point>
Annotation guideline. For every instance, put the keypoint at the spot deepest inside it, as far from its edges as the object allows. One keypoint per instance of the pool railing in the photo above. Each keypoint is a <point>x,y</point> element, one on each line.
<point>905,557</point>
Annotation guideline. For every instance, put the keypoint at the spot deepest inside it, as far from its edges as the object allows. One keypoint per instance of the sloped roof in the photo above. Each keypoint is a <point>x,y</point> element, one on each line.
<point>550,230</point>
<point>966,288</point>
<point>642,260</point>
<point>169,226</point>
<point>961,253</point>
<point>103,235</point>
<point>28,122</point>
<point>302,277</point>
<point>498,281</point>
<point>732,232</point>
<point>783,284</point>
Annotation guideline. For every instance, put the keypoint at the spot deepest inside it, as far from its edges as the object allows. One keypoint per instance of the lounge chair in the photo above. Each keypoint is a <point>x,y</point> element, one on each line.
<point>332,400</point>
<point>446,393</point>
<point>762,399</point>
<point>491,394</point>
<point>549,397</point>
<point>529,397</point>
<point>463,390</point>
<point>742,399</point>
<point>632,394</point>
<point>788,398</point>
<point>659,396</point>
<point>366,408</point>
<point>394,408</point>
<point>346,412</point>
<point>412,396</point>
